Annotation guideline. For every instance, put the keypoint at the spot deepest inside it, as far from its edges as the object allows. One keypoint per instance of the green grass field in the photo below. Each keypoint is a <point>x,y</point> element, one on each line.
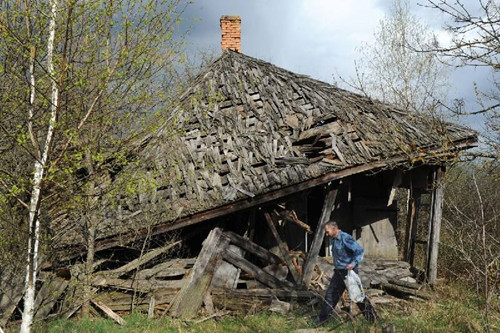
<point>454,309</point>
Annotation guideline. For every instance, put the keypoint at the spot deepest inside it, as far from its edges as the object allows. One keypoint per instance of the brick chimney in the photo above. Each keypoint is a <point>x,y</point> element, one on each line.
<point>230,26</point>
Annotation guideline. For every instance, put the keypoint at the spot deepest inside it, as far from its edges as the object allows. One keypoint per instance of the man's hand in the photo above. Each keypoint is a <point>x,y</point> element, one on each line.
<point>349,267</point>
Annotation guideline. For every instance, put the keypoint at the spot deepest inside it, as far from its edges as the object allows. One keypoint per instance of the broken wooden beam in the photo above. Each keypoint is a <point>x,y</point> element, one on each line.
<point>190,297</point>
<point>319,234</point>
<point>253,248</point>
<point>256,272</point>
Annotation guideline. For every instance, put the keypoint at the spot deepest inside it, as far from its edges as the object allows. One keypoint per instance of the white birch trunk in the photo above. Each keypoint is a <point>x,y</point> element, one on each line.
<point>34,223</point>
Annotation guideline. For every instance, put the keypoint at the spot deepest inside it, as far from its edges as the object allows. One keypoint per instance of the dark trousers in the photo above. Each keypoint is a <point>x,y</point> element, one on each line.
<point>334,292</point>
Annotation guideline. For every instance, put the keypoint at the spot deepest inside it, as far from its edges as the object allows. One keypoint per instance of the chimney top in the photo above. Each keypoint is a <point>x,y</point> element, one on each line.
<point>231,32</point>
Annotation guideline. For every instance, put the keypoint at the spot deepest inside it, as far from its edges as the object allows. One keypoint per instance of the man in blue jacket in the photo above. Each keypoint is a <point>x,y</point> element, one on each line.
<point>347,254</point>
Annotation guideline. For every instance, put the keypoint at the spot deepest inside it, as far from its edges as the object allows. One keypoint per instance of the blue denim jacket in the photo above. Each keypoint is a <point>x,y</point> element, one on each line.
<point>346,251</point>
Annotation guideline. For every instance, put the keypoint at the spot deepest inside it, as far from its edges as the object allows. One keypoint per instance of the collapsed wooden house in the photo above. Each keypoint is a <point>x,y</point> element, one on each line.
<point>255,160</point>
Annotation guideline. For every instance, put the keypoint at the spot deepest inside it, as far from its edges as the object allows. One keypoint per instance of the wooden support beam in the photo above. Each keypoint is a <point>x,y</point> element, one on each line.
<point>191,296</point>
<point>319,234</point>
<point>435,225</point>
<point>256,272</point>
<point>414,200</point>
<point>285,252</point>
<point>253,248</point>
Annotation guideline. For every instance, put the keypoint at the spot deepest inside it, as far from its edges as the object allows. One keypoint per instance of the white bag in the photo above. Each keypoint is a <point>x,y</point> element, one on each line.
<point>354,287</point>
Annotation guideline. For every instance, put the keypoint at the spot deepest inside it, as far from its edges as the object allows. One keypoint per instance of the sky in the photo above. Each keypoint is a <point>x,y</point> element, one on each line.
<point>315,37</point>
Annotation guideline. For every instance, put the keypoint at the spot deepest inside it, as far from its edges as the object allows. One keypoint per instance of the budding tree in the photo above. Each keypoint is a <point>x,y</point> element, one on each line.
<point>83,78</point>
<point>390,69</point>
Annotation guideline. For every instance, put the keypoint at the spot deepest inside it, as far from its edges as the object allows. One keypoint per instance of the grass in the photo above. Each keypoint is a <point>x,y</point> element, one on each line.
<point>454,309</point>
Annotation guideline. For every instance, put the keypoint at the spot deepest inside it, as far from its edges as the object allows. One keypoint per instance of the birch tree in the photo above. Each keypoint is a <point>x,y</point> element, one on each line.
<point>39,167</point>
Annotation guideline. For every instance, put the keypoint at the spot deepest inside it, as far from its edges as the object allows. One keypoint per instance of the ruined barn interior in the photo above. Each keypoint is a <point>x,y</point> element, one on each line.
<point>240,183</point>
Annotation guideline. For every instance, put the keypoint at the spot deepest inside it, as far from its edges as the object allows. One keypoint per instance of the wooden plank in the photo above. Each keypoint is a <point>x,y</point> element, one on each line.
<point>256,272</point>
<point>142,260</point>
<point>151,309</point>
<point>232,207</point>
<point>190,297</point>
<point>319,234</point>
<point>283,247</point>
<point>110,313</point>
<point>435,226</point>
<point>253,248</point>
<point>48,295</point>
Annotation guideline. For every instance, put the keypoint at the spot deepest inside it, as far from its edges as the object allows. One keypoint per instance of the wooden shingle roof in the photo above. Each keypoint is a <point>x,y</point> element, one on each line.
<point>245,128</point>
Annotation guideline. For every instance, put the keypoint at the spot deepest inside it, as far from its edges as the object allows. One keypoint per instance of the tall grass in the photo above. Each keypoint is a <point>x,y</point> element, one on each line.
<point>455,308</point>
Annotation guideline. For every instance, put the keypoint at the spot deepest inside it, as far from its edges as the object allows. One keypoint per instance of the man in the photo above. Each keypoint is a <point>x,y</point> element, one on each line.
<point>347,254</point>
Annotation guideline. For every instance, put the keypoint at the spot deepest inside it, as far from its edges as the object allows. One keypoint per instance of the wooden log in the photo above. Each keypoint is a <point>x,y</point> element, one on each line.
<point>253,248</point>
<point>435,226</point>
<point>110,313</point>
<point>48,295</point>
<point>190,297</point>
<point>256,272</point>
<point>283,247</point>
<point>319,234</point>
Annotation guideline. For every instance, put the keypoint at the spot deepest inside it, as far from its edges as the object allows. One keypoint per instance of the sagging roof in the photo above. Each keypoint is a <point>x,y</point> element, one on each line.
<point>246,128</point>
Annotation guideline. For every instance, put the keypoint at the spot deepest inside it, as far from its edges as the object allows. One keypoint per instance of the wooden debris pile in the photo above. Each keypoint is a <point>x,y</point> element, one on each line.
<point>379,277</point>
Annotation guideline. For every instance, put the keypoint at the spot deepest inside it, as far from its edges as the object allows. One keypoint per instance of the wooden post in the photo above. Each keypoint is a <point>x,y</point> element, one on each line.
<point>435,225</point>
<point>283,248</point>
<point>192,293</point>
<point>319,234</point>
<point>411,224</point>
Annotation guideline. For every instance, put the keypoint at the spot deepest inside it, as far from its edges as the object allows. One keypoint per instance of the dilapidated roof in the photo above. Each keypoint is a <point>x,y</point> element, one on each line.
<point>246,129</point>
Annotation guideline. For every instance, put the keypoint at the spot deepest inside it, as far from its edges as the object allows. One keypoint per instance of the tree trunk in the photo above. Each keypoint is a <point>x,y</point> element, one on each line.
<point>34,223</point>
